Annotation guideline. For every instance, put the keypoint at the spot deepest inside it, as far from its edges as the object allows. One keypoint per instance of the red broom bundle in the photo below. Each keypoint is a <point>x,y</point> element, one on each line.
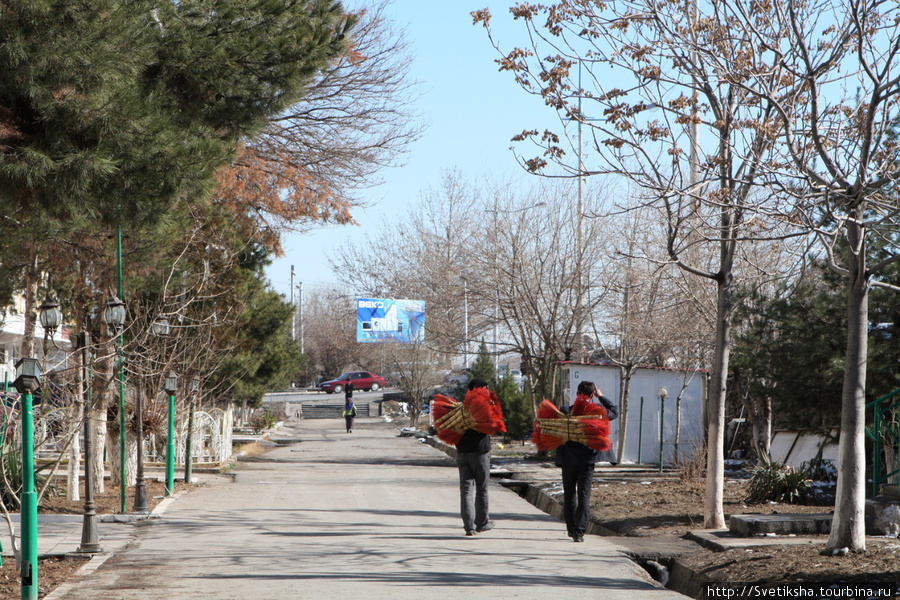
<point>448,418</point>
<point>484,406</point>
<point>584,406</point>
<point>545,441</point>
<point>479,411</point>
<point>587,425</point>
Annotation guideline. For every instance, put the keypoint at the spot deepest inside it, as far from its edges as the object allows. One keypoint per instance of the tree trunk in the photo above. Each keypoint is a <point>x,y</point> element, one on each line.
<point>98,435</point>
<point>244,403</point>
<point>848,529</point>
<point>73,489</point>
<point>678,423</point>
<point>714,516</point>
<point>112,444</point>
<point>102,394</point>
<point>760,412</point>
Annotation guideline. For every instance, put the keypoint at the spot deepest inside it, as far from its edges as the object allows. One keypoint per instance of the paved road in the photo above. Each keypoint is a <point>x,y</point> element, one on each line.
<point>366,515</point>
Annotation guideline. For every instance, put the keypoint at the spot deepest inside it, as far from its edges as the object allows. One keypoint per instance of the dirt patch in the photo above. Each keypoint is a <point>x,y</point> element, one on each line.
<point>665,507</point>
<point>670,508</point>
<point>54,571</point>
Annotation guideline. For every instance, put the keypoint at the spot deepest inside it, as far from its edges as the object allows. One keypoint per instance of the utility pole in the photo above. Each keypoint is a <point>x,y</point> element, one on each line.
<point>300,312</point>
<point>294,313</point>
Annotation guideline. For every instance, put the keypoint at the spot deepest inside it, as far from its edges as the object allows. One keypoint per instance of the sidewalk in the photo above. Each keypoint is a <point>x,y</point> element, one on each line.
<point>336,515</point>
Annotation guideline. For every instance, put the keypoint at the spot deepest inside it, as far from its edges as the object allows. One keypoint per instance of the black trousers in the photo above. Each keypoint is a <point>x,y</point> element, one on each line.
<point>577,480</point>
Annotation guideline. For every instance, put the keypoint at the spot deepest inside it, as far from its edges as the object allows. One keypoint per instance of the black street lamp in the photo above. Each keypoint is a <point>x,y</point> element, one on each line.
<point>188,449</point>
<point>90,542</point>
<point>50,315</point>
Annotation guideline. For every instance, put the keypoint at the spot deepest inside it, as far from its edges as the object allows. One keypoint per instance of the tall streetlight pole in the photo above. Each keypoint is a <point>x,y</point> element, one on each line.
<point>171,386</point>
<point>90,542</point>
<point>189,444</point>
<point>294,314</point>
<point>300,313</point>
<point>121,376</point>
<point>28,373</point>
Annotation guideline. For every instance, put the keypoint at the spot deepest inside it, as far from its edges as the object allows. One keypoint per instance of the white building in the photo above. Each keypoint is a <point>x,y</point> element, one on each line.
<point>12,332</point>
<point>642,442</point>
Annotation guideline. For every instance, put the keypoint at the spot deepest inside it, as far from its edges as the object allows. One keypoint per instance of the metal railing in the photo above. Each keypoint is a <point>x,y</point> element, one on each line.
<point>879,433</point>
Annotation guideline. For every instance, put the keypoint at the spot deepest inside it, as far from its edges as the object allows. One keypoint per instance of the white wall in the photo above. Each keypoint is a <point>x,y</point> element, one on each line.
<point>646,383</point>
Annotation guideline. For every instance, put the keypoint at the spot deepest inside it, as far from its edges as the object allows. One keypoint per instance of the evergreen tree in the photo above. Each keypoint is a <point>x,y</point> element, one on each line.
<point>483,366</point>
<point>516,408</point>
<point>115,109</point>
<point>791,346</point>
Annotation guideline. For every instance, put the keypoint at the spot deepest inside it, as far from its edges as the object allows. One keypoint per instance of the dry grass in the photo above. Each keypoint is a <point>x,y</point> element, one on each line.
<point>250,449</point>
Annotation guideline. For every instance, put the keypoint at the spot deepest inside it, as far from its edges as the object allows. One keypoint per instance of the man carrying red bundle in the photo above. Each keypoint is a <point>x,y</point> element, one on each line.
<point>577,461</point>
<point>473,456</point>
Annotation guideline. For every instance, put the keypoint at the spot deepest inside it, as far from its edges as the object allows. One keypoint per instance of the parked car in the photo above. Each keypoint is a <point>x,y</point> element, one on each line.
<point>362,380</point>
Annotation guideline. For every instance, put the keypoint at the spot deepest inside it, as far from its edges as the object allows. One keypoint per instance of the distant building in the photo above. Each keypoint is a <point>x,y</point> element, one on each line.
<point>12,333</point>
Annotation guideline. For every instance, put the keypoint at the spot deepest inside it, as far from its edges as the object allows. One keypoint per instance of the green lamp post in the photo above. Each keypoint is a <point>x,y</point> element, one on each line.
<point>663,394</point>
<point>171,386</point>
<point>28,379</point>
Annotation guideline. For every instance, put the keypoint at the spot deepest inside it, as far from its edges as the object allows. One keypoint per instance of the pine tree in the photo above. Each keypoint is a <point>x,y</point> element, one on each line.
<point>483,367</point>
<point>116,109</point>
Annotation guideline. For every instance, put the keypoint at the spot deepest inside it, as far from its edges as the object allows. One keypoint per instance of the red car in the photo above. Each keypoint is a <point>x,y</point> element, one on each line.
<point>362,380</point>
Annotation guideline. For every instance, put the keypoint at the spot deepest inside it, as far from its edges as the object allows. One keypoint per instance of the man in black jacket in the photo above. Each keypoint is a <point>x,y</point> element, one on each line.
<point>473,457</point>
<point>577,461</point>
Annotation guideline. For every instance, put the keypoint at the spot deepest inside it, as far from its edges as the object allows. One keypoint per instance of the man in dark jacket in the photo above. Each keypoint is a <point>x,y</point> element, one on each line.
<point>577,461</point>
<point>473,457</point>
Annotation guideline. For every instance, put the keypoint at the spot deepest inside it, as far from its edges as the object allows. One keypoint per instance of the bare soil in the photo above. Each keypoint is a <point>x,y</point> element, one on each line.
<point>672,508</point>
<point>669,506</point>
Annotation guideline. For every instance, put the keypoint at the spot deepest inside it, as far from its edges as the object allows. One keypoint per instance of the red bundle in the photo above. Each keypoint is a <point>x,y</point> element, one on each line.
<point>479,411</point>
<point>447,414</point>
<point>484,406</point>
<point>587,425</point>
<point>545,441</point>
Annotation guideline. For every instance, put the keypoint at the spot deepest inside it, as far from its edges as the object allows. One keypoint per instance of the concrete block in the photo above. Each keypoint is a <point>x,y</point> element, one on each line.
<point>784,524</point>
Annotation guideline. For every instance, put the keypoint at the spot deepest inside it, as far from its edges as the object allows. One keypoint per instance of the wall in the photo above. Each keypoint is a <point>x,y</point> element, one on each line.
<point>646,383</point>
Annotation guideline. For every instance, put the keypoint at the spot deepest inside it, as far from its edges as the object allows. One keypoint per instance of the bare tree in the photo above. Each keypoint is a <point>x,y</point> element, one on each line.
<point>428,256</point>
<point>356,119</point>
<point>835,106</point>
<point>329,331</point>
<point>417,373</point>
<point>538,278</point>
<point>651,88</point>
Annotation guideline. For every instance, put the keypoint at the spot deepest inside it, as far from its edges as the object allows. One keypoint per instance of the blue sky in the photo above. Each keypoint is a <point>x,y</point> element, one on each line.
<point>471,111</point>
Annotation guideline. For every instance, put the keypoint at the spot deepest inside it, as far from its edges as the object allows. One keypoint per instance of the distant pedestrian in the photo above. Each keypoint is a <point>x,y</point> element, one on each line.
<point>349,408</point>
<point>577,461</point>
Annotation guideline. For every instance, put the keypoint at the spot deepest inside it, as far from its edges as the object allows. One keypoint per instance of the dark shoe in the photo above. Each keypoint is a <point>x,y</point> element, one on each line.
<point>571,534</point>
<point>578,538</point>
<point>470,532</point>
<point>486,527</point>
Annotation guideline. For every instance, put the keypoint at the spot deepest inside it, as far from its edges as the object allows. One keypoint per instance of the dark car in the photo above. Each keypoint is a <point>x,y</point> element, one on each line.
<point>362,380</point>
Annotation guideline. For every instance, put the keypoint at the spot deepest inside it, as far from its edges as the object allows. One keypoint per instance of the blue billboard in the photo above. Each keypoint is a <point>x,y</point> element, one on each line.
<point>388,320</point>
